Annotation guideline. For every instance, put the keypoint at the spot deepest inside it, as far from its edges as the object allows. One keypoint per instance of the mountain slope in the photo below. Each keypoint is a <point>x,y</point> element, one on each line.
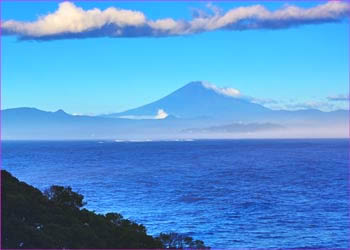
<point>196,100</point>
<point>31,123</point>
<point>195,106</point>
<point>55,219</point>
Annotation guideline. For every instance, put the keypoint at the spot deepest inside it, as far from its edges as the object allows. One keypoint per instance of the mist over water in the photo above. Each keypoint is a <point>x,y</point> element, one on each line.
<point>194,111</point>
<point>229,193</point>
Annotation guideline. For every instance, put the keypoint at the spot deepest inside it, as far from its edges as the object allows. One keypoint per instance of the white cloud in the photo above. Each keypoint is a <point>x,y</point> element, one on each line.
<point>323,105</point>
<point>263,101</point>
<point>292,104</point>
<point>161,114</point>
<point>223,91</point>
<point>320,105</point>
<point>341,97</point>
<point>70,21</point>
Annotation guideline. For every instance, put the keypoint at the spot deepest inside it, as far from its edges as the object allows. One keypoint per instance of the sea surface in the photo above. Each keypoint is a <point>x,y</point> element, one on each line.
<point>228,193</point>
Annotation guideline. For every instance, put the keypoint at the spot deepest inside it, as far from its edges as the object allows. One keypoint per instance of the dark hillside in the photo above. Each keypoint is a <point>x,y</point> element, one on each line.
<point>31,219</point>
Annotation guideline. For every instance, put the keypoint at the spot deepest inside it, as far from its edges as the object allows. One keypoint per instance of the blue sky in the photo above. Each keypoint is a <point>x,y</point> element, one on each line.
<point>295,67</point>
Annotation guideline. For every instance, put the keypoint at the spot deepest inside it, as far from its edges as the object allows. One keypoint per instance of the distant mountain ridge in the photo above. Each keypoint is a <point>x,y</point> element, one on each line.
<point>196,100</point>
<point>194,110</point>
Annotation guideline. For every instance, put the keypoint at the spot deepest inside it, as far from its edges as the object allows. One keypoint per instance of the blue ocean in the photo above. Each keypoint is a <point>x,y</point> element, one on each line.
<point>228,193</point>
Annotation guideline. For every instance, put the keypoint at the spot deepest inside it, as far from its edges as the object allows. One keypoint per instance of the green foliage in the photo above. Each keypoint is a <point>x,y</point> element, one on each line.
<point>64,196</point>
<point>175,240</point>
<point>55,219</point>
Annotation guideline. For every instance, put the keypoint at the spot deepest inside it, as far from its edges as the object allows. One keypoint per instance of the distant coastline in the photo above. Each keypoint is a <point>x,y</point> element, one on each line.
<point>191,112</point>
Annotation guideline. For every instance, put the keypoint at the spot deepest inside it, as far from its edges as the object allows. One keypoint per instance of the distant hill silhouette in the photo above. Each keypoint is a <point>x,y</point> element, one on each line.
<point>194,100</point>
<point>236,128</point>
<point>195,106</point>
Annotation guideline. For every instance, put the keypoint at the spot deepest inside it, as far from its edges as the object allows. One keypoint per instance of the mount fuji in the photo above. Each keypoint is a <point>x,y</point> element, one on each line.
<point>197,110</point>
<point>197,100</point>
<point>201,100</point>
